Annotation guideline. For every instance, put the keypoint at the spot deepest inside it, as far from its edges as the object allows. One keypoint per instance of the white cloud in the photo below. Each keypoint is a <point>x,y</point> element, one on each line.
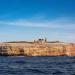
<point>55,24</point>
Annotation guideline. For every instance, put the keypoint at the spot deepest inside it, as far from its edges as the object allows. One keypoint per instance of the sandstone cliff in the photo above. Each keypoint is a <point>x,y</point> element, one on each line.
<point>38,49</point>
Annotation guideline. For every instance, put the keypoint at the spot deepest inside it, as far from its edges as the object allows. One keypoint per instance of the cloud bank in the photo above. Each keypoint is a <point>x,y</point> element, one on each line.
<point>55,24</point>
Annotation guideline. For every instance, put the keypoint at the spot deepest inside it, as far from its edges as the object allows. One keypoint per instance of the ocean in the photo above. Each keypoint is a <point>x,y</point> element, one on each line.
<point>19,65</point>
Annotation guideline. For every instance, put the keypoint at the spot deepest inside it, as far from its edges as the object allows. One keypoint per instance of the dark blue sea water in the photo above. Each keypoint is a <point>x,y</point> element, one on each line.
<point>37,65</point>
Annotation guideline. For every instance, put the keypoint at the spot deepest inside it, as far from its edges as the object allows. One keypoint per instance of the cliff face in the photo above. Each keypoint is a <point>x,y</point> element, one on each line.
<point>35,49</point>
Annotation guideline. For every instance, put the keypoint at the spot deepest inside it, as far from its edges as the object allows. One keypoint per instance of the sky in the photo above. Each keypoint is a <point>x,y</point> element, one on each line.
<point>22,20</point>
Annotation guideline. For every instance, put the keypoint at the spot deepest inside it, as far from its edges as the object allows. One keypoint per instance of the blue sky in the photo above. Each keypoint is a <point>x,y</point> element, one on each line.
<point>33,19</point>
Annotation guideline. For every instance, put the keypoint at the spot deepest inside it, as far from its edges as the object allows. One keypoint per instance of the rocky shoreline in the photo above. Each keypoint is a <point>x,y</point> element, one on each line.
<point>37,49</point>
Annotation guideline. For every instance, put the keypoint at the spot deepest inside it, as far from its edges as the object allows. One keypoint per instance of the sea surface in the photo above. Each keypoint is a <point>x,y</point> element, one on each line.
<point>19,65</point>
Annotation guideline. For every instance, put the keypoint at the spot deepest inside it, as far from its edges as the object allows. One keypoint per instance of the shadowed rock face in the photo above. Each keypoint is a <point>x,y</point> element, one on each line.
<point>37,49</point>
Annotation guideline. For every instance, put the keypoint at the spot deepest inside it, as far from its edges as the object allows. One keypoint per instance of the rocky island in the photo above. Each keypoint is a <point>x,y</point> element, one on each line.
<point>40,47</point>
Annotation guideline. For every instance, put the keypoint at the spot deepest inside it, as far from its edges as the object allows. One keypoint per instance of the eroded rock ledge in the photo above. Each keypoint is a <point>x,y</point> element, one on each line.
<point>39,48</point>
